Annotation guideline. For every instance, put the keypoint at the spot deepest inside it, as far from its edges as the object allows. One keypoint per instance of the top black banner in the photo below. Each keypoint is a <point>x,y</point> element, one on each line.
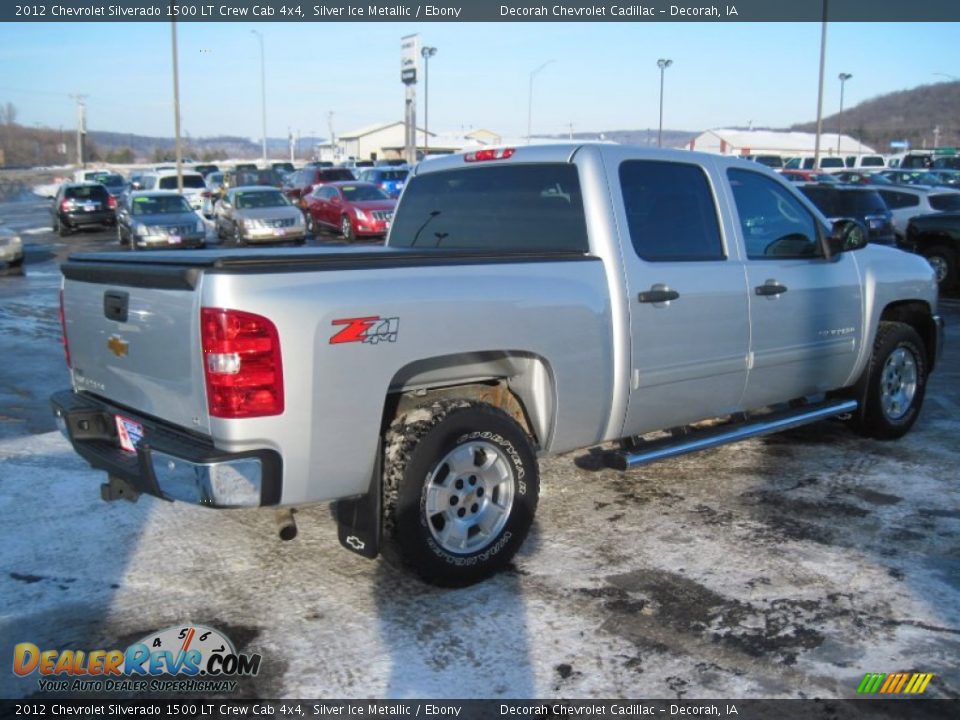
<point>481,11</point>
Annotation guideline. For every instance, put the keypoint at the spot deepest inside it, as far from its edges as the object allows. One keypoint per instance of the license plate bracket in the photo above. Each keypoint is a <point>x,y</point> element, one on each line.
<point>129,433</point>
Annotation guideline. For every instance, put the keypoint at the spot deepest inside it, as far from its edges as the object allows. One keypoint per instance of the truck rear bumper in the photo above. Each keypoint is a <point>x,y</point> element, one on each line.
<point>169,463</point>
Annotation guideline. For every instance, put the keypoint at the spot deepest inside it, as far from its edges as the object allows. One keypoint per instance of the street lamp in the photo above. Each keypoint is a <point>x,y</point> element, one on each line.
<point>843,77</point>
<point>663,64</point>
<point>427,53</point>
<point>533,74</point>
<point>263,93</point>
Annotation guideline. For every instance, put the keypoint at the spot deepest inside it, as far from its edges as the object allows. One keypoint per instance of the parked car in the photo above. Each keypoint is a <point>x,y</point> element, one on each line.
<point>193,185</point>
<point>861,177</point>
<point>828,162</point>
<point>88,174</point>
<point>354,209</point>
<point>282,168</point>
<point>937,238</point>
<point>865,161</point>
<point>946,162</point>
<point>945,178</point>
<point>583,294</point>
<point>391,162</point>
<point>302,182</point>
<point>159,219</point>
<point>79,205</point>
<point>862,204</point>
<point>911,177</point>
<point>771,161</point>
<point>245,178</point>
<point>805,176</point>
<point>257,215</point>
<point>11,252</point>
<point>388,179</point>
<point>245,166</point>
<point>113,182</point>
<point>906,202</point>
<point>206,169</point>
<point>319,164</point>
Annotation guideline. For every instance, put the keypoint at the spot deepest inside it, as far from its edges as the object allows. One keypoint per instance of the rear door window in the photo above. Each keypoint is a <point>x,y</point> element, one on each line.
<point>531,207</point>
<point>670,211</point>
<point>895,199</point>
<point>945,202</point>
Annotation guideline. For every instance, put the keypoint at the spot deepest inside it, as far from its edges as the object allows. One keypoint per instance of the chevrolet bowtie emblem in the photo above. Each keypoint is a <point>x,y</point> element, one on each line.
<point>118,346</point>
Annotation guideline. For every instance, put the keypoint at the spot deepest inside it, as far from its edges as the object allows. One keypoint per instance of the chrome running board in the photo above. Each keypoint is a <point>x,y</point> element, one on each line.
<point>695,440</point>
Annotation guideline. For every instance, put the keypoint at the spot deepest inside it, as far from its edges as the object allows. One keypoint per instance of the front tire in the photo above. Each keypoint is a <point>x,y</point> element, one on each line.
<point>460,487</point>
<point>238,236</point>
<point>943,260</point>
<point>896,381</point>
<point>346,229</point>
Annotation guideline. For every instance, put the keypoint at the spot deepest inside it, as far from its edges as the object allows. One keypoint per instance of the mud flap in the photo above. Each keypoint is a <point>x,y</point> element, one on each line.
<point>358,519</point>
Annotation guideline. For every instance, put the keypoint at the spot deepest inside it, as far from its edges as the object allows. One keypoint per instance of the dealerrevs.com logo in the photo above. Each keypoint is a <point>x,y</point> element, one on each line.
<point>182,658</point>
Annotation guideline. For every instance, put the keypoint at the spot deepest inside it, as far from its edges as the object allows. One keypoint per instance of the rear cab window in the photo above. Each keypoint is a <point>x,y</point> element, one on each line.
<point>87,192</point>
<point>945,202</point>
<point>671,214</point>
<point>513,207</point>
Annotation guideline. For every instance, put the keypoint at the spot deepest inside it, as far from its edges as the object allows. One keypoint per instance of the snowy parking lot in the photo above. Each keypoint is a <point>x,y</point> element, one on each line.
<point>787,566</point>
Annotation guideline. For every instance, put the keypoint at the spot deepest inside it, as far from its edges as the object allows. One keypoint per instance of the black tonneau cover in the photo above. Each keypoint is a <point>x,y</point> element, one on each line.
<point>179,270</point>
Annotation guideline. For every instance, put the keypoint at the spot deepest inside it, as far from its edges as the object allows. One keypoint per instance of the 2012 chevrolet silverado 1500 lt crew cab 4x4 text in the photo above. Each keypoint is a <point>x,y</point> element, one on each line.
<point>530,300</point>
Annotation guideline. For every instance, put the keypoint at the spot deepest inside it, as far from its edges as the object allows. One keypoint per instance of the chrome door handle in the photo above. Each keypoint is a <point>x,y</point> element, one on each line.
<point>658,296</point>
<point>770,288</point>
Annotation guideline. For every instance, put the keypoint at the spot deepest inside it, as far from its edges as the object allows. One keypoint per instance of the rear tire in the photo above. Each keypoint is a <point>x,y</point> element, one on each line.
<point>460,490</point>
<point>237,236</point>
<point>311,225</point>
<point>896,381</point>
<point>943,260</point>
<point>63,230</point>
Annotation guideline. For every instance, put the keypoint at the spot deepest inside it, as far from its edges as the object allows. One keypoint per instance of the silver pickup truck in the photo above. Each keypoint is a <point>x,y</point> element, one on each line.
<point>530,300</point>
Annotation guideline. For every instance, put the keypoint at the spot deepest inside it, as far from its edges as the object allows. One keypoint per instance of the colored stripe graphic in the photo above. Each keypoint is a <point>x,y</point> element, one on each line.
<point>894,683</point>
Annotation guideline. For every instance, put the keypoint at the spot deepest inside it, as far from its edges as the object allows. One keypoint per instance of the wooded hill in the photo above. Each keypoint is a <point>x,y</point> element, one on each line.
<point>910,115</point>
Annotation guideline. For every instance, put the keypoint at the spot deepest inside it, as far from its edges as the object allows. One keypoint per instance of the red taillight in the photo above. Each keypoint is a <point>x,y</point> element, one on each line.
<point>241,363</point>
<point>112,202</point>
<point>493,154</point>
<point>66,205</point>
<point>63,329</point>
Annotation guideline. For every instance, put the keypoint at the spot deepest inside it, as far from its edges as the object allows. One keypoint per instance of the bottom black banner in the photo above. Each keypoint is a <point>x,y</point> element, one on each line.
<point>892,709</point>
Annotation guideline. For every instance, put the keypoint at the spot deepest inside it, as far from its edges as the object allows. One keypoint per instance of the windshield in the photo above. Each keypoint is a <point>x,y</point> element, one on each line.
<point>946,201</point>
<point>112,180</point>
<point>159,205</point>
<point>872,161</point>
<point>260,199</point>
<point>189,181</point>
<point>359,193</point>
<point>335,174</point>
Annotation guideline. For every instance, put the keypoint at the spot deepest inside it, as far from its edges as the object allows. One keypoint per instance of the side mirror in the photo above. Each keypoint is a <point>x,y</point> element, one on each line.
<point>136,185</point>
<point>847,235</point>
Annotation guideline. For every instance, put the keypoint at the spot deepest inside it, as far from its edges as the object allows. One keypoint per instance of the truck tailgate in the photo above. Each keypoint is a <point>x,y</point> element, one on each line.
<point>134,340</point>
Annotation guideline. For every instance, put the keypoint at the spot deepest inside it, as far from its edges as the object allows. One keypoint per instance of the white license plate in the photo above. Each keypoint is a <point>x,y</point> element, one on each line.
<point>279,232</point>
<point>129,433</point>
<point>89,207</point>
<point>174,239</point>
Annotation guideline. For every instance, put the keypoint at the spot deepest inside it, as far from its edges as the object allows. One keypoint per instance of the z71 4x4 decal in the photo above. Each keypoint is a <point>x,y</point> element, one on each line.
<point>373,329</point>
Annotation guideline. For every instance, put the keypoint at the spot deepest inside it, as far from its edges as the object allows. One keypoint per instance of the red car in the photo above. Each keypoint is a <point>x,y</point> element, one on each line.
<point>302,182</point>
<point>354,209</point>
<point>801,176</point>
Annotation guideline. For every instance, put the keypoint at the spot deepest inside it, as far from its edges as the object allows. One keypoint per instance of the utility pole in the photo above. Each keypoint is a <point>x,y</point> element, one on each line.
<point>533,74</point>
<point>570,126</point>
<point>263,93</point>
<point>427,53</point>
<point>176,108</point>
<point>823,62</point>
<point>81,125</point>
<point>663,64</point>
<point>936,136</point>
<point>333,148</point>
<point>843,77</point>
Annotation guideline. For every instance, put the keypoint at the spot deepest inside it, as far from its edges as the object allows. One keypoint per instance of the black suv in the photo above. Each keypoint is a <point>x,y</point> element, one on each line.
<point>82,204</point>
<point>857,203</point>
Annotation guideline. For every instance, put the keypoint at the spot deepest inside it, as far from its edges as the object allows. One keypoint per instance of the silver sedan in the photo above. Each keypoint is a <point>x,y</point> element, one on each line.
<point>259,215</point>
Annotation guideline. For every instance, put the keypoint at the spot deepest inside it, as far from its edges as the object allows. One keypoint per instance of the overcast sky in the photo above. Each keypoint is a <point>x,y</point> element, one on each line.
<point>603,76</point>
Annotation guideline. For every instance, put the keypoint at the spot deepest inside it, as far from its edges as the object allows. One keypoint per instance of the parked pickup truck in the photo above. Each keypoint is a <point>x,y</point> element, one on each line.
<point>529,301</point>
<point>936,236</point>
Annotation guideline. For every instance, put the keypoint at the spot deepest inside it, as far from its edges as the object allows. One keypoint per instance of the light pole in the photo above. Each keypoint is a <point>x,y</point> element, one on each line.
<point>663,64</point>
<point>843,77</point>
<point>176,108</point>
<point>427,53</point>
<point>823,63</point>
<point>263,93</point>
<point>533,74</point>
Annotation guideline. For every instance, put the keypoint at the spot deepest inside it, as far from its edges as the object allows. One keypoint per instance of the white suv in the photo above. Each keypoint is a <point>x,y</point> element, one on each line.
<point>193,185</point>
<point>907,201</point>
